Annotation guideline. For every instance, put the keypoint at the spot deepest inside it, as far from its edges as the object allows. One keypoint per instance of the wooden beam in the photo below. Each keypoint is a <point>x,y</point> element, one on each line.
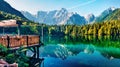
<point>37,52</point>
<point>8,42</point>
<point>18,30</point>
<point>27,41</point>
<point>3,30</point>
<point>34,52</point>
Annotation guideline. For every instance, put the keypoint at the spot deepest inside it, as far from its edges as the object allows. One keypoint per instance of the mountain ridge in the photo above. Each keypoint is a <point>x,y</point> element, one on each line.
<point>104,14</point>
<point>115,15</point>
<point>4,6</point>
<point>63,17</point>
<point>90,18</point>
<point>58,17</point>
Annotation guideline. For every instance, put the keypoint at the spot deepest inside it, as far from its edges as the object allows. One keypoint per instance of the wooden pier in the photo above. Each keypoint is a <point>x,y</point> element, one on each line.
<point>15,42</point>
<point>32,42</point>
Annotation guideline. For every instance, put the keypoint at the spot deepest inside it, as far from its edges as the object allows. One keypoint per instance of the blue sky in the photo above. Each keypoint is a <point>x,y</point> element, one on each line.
<point>83,7</point>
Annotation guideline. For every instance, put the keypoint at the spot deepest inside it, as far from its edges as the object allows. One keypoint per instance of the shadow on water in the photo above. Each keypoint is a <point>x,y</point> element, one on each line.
<point>85,51</point>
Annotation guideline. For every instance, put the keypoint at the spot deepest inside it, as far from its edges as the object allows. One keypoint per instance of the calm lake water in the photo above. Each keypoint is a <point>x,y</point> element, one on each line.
<point>87,51</point>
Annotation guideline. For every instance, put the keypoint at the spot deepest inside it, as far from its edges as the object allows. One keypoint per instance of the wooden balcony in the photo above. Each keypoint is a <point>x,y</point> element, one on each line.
<point>18,41</point>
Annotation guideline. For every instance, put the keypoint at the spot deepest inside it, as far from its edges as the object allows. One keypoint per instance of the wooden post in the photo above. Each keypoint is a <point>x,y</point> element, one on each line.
<point>8,41</point>
<point>34,52</point>
<point>18,30</point>
<point>19,26</point>
<point>25,52</point>
<point>39,40</point>
<point>27,40</point>
<point>3,30</point>
<point>42,33</point>
<point>37,51</point>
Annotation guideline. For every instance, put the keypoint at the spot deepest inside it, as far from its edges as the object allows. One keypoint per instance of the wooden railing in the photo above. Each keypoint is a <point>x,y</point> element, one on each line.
<point>18,41</point>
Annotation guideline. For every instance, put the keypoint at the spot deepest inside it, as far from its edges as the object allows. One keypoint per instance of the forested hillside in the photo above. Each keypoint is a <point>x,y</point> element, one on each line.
<point>105,28</point>
<point>5,16</point>
<point>96,29</point>
<point>113,16</point>
<point>4,6</point>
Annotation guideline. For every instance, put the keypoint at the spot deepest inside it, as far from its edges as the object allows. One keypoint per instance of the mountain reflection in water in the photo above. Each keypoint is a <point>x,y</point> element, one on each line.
<point>81,54</point>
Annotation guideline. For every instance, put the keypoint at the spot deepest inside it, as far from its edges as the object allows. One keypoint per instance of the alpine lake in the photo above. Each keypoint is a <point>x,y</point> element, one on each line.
<point>85,51</point>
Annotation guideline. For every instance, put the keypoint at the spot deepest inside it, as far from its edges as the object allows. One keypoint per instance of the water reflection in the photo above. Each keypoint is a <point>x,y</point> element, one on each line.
<point>88,51</point>
<point>57,51</point>
<point>103,41</point>
<point>79,55</point>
